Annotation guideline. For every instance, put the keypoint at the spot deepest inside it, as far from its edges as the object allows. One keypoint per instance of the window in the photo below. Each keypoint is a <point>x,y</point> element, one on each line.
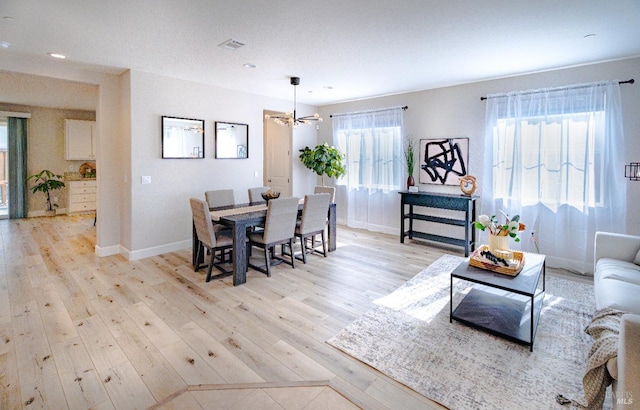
<point>372,144</point>
<point>554,157</point>
<point>556,161</point>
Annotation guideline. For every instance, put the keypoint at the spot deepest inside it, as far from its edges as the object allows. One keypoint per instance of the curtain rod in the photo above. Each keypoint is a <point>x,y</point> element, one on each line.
<point>631,81</point>
<point>381,109</point>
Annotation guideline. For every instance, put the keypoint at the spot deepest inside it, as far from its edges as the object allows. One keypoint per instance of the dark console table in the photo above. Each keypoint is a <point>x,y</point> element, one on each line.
<point>418,200</point>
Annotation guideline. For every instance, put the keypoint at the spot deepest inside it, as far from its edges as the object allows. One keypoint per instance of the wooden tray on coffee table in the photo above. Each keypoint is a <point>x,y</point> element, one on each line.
<point>476,260</point>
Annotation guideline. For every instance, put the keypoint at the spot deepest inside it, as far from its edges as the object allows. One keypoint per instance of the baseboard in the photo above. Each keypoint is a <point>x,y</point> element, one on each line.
<point>107,250</point>
<point>156,250</point>
<point>372,227</point>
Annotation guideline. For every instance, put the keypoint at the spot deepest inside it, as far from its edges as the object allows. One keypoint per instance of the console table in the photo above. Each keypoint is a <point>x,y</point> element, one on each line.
<point>463,203</point>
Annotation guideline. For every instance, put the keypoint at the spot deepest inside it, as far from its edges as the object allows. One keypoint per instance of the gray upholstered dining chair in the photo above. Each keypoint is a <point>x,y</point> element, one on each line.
<point>319,189</point>
<point>313,222</point>
<point>220,197</point>
<point>208,238</point>
<point>279,228</point>
<point>255,193</point>
<point>326,190</point>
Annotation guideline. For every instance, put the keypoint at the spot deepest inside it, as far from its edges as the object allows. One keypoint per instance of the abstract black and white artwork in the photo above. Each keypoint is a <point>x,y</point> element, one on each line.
<point>443,161</point>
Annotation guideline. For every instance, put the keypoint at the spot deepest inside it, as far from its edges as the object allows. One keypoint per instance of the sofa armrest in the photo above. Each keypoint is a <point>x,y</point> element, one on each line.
<point>615,246</point>
<point>629,358</point>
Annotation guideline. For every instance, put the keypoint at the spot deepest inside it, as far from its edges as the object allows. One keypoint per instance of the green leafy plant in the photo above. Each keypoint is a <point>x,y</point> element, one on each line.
<point>410,156</point>
<point>324,160</point>
<point>46,181</point>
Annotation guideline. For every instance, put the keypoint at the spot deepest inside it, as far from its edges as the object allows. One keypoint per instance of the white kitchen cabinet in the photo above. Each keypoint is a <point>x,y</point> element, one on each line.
<point>82,196</point>
<point>80,140</point>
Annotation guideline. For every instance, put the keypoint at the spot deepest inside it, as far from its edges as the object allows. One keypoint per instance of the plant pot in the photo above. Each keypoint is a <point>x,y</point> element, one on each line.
<point>498,243</point>
<point>410,182</point>
<point>50,213</point>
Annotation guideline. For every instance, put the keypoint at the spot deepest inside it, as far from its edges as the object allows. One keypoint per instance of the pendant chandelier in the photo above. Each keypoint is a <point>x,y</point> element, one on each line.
<point>291,119</point>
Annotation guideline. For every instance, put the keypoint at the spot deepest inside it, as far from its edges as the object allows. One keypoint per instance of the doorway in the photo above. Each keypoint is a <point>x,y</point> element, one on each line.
<point>4,169</point>
<point>277,156</point>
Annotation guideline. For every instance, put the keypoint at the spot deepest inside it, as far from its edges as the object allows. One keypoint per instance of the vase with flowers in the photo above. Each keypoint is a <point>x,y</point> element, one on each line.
<point>500,232</point>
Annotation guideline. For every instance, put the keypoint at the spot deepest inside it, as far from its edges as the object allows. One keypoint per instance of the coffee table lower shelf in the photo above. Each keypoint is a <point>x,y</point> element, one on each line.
<point>503,313</point>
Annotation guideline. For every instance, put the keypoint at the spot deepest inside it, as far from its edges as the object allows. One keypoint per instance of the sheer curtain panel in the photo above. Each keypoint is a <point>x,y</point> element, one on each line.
<point>554,157</point>
<point>372,144</point>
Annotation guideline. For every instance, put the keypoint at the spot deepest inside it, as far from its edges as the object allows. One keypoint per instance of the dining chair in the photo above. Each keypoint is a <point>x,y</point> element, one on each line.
<point>318,190</point>
<point>216,198</point>
<point>220,197</point>
<point>279,229</point>
<point>313,222</point>
<point>255,193</point>
<point>208,238</point>
<point>326,190</point>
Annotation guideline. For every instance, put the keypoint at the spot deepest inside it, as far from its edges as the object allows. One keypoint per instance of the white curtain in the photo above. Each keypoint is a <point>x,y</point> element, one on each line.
<point>372,144</point>
<point>555,157</point>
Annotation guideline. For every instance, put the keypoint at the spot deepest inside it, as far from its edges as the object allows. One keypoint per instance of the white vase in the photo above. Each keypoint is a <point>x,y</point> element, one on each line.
<point>498,243</point>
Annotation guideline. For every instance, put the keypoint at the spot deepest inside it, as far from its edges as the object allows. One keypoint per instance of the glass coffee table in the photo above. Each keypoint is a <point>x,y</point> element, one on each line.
<point>507,306</point>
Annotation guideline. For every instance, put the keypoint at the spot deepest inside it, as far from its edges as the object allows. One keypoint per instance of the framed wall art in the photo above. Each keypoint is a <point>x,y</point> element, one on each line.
<point>182,138</point>
<point>443,161</point>
<point>232,140</point>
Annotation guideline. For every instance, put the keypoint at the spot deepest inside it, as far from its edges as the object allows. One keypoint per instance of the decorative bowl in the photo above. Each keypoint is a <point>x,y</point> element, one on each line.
<point>268,195</point>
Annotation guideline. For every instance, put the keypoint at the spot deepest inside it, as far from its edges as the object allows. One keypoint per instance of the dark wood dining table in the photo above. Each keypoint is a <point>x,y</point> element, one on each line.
<point>240,223</point>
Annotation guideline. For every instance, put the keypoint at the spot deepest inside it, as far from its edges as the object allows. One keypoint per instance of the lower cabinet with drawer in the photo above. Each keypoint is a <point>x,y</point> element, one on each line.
<point>82,196</point>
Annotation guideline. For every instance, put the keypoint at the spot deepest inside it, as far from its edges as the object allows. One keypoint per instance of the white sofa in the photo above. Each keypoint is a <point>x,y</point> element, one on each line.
<point>617,285</point>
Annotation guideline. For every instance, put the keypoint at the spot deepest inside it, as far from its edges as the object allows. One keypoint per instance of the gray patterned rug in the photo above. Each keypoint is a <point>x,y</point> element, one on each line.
<point>408,337</point>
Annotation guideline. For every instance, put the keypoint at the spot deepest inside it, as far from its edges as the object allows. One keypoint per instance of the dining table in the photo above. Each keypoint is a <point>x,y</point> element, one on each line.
<point>242,217</point>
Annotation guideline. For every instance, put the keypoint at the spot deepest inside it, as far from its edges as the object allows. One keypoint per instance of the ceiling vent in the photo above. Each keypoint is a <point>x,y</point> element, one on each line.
<point>232,44</point>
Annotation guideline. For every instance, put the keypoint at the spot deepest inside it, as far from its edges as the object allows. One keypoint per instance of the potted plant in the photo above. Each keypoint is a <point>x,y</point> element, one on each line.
<point>410,161</point>
<point>323,160</point>
<point>46,181</point>
<point>499,233</point>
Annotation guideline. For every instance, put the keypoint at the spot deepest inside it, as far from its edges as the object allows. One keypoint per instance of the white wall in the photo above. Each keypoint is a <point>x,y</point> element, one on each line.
<point>160,215</point>
<point>459,112</point>
<point>142,220</point>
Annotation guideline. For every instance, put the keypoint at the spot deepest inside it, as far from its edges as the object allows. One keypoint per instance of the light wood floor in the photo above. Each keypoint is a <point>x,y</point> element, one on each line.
<point>78,331</point>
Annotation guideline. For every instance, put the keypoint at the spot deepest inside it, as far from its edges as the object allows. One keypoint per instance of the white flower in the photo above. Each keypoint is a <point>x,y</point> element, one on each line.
<point>484,220</point>
<point>513,226</point>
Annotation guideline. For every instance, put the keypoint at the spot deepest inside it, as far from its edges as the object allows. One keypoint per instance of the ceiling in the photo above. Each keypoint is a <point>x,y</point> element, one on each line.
<point>341,49</point>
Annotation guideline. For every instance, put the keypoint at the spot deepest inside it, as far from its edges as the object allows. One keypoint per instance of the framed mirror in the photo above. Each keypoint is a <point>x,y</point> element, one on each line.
<point>182,138</point>
<point>232,140</point>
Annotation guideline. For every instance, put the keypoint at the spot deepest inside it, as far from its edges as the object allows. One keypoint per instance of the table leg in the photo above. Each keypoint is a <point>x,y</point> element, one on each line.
<point>332,228</point>
<point>402,220</point>
<point>532,310</point>
<point>239,254</point>
<point>451,299</point>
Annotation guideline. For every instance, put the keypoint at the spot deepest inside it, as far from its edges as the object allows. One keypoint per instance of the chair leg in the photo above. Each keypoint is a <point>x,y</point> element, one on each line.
<point>196,266</point>
<point>291,248</point>
<point>267,260</point>
<point>211,262</point>
<point>324,246</point>
<point>304,249</point>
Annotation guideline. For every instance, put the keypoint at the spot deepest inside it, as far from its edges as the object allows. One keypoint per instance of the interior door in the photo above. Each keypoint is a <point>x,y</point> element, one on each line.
<point>277,156</point>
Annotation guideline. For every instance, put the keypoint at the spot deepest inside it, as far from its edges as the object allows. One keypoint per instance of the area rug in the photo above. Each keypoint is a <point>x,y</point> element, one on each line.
<point>408,337</point>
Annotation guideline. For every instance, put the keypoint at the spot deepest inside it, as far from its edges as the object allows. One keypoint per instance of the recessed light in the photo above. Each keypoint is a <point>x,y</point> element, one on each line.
<point>8,17</point>
<point>249,65</point>
<point>57,55</point>
<point>4,44</point>
<point>328,87</point>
